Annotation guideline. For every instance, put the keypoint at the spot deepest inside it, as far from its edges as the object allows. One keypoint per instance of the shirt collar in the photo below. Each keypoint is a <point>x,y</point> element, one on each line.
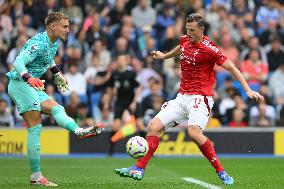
<point>48,40</point>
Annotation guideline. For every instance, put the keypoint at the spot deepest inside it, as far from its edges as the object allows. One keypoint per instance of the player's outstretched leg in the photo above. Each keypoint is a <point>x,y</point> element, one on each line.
<point>137,171</point>
<point>208,151</point>
<point>34,157</point>
<point>68,123</point>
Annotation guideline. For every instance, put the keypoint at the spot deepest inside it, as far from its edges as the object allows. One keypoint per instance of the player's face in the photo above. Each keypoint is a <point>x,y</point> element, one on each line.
<point>194,32</point>
<point>61,29</point>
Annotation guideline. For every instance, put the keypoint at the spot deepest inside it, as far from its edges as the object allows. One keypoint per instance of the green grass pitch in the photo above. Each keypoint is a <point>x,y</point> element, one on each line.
<point>162,173</point>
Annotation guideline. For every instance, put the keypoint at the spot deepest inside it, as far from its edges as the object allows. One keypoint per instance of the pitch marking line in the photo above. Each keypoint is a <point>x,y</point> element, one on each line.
<point>204,184</point>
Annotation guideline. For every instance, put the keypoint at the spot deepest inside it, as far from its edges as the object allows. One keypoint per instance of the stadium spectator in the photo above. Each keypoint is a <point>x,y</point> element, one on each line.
<point>253,44</point>
<point>147,102</point>
<point>13,52</point>
<point>101,54</point>
<point>72,104</point>
<point>240,10</point>
<point>76,80</point>
<point>105,107</point>
<point>73,11</point>
<point>254,70</point>
<point>96,32</point>
<point>275,84</point>
<point>262,115</point>
<point>270,33</point>
<point>238,119</point>
<point>275,55</point>
<point>240,104</point>
<point>4,95</point>
<point>121,47</point>
<point>269,11</point>
<point>229,50</point>
<point>81,42</point>
<point>153,109</point>
<point>171,40</point>
<point>143,14</point>
<point>144,74</point>
<point>6,117</point>
<point>83,117</point>
<point>117,12</point>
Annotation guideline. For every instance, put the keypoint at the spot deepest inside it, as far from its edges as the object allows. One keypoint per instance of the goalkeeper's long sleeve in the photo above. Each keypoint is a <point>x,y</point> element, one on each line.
<point>20,64</point>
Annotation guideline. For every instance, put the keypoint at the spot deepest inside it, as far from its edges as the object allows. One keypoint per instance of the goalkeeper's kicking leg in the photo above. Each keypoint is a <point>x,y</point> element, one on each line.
<point>51,107</point>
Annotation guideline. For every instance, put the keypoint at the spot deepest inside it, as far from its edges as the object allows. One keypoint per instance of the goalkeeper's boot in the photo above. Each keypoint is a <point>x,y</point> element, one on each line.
<point>226,179</point>
<point>132,172</point>
<point>90,131</point>
<point>42,182</point>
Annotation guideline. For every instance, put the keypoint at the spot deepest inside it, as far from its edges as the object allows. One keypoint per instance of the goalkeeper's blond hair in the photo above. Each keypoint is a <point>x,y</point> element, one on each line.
<point>55,17</point>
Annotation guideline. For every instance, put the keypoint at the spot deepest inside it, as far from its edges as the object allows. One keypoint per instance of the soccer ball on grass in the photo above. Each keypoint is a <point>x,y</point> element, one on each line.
<point>137,147</point>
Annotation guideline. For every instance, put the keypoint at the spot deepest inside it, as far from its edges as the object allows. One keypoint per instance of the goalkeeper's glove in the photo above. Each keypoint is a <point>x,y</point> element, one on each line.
<point>60,80</point>
<point>36,83</point>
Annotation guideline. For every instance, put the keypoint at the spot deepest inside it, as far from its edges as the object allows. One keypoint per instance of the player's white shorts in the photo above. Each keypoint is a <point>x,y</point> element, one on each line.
<point>194,109</point>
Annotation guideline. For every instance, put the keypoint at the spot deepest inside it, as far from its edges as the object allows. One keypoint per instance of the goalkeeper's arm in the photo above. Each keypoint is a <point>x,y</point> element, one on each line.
<point>20,67</point>
<point>60,80</point>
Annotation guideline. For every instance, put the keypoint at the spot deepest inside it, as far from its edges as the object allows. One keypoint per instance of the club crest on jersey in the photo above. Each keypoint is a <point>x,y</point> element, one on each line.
<point>33,49</point>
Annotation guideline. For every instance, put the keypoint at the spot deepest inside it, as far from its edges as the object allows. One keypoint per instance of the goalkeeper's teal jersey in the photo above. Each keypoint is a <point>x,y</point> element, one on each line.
<point>40,52</point>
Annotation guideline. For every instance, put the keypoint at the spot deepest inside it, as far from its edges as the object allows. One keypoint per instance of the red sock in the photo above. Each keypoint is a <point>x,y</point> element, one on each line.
<point>209,152</point>
<point>153,142</point>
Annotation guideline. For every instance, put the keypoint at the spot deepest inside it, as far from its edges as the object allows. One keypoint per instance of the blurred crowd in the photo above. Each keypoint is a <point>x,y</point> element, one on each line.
<point>112,74</point>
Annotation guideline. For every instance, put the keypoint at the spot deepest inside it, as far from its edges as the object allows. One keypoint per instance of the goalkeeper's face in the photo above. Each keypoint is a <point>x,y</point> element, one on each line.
<point>61,29</point>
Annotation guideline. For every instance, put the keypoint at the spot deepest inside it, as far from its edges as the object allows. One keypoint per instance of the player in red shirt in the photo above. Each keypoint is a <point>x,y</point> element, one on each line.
<point>198,55</point>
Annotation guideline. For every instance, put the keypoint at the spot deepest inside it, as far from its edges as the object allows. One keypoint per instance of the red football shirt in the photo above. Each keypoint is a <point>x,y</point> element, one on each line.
<point>197,61</point>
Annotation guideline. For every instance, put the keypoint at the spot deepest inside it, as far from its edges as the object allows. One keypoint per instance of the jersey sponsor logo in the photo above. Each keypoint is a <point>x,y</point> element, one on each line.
<point>33,47</point>
<point>188,59</point>
<point>207,44</point>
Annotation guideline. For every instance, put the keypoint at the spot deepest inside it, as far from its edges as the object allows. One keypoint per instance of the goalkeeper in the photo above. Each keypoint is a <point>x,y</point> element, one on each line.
<point>26,89</point>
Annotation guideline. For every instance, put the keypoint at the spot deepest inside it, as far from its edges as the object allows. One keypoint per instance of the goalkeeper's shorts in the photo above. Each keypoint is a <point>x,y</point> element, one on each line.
<point>26,97</point>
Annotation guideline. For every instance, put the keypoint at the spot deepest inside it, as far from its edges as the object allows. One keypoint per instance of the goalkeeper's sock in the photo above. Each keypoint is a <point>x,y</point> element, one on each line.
<point>209,152</point>
<point>36,176</point>
<point>34,147</point>
<point>63,120</point>
<point>153,143</point>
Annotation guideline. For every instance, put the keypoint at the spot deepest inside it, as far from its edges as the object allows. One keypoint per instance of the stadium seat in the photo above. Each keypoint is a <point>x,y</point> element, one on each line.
<point>83,99</point>
<point>221,77</point>
<point>95,98</point>
<point>58,98</point>
<point>94,105</point>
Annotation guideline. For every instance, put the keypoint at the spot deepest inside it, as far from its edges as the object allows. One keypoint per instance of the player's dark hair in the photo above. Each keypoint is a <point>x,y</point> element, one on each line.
<point>196,18</point>
<point>55,17</point>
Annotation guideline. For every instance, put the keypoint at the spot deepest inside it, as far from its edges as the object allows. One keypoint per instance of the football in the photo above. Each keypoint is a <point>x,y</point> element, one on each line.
<point>137,147</point>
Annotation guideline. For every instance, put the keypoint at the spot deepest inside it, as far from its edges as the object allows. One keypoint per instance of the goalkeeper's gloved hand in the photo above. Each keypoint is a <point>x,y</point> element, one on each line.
<point>36,83</point>
<point>61,82</point>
